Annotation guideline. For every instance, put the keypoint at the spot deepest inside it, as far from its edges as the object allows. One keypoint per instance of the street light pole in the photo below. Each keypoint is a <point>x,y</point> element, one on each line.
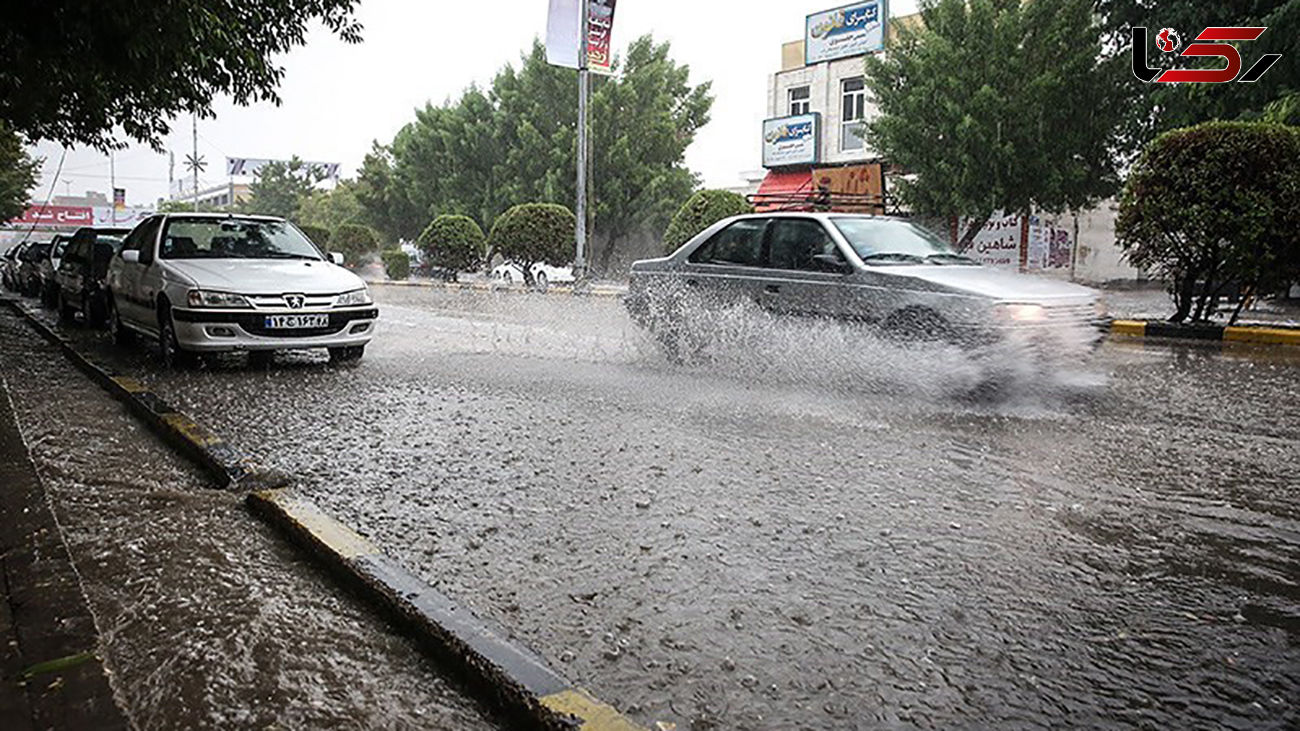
<point>584,91</point>
<point>195,128</point>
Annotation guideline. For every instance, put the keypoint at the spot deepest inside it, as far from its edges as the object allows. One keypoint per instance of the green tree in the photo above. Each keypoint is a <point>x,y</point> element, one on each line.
<point>701,210</point>
<point>319,236</point>
<point>355,242</point>
<point>397,264</point>
<point>997,105</point>
<point>74,72</point>
<point>454,242</point>
<point>17,175</point>
<point>280,188</point>
<point>1212,205</point>
<point>534,233</point>
<point>516,143</point>
<point>329,209</point>
<point>1154,108</point>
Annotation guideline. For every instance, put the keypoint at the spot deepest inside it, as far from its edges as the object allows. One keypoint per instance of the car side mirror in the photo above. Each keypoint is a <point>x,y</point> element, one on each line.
<point>336,257</point>
<point>832,263</point>
<point>131,256</point>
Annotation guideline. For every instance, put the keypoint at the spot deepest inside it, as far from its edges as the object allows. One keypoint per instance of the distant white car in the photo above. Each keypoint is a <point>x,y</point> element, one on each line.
<point>544,275</point>
<point>204,283</point>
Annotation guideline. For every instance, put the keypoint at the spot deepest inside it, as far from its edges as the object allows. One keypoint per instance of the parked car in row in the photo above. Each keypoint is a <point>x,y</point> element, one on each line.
<point>210,283</point>
<point>29,267</point>
<point>81,281</point>
<point>9,263</point>
<point>544,275</point>
<point>888,272</point>
<point>48,266</point>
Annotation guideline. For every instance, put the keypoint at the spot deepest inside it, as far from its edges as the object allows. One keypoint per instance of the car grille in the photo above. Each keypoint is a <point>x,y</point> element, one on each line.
<point>1072,314</point>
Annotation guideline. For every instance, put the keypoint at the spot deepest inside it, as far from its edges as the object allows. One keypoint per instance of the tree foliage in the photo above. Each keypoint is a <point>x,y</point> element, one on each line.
<point>516,142</point>
<point>701,210</point>
<point>318,235</point>
<point>397,264</point>
<point>454,242</point>
<point>355,242</point>
<point>997,105</point>
<point>329,209</point>
<point>534,233</point>
<point>17,175</point>
<point>1213,205</point>
<point>73,71</point>
<point>280,188</point>
<point>1154,108</point>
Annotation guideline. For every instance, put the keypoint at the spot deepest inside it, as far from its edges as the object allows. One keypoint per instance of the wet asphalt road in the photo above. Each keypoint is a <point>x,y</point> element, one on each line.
<point>812,529</point>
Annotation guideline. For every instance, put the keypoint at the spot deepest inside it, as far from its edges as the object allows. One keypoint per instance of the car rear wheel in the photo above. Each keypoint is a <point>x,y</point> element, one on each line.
<point>350,354</point>
<point>121,335</point>
<point>169,348</point>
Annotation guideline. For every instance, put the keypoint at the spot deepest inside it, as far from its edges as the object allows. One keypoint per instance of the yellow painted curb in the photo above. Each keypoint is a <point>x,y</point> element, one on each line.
<point>330,533</point>
<point>595,716</point>
<point>1266,335</point>
<point>1135,328</point>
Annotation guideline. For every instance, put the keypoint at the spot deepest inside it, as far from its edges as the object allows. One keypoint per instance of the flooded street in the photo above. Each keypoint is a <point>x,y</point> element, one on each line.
<point>808,529</point>
<point>206,619</point>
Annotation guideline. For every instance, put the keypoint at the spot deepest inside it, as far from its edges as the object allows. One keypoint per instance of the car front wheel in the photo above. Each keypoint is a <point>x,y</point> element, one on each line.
<point>169,348</point>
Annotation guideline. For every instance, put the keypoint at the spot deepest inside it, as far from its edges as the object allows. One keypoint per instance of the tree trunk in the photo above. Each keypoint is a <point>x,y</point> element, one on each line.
<point>1245,296</point>
<point>1183,298</point>
<point>605,255</point>
<point>976,225</point>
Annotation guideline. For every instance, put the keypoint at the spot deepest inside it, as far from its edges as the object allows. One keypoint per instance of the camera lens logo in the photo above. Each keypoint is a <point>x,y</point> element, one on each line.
<point>1168,41</point>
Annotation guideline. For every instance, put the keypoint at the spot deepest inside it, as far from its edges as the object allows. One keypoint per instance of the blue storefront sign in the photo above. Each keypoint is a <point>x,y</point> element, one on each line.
<point>852,30</point>
<point>792,141</point>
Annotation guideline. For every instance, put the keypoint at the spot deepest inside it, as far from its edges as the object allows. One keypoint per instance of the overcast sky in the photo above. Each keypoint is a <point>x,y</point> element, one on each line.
<point>337,98</point>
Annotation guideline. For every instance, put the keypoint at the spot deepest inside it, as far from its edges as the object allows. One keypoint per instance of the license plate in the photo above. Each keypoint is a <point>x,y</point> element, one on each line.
<point>296,322</point>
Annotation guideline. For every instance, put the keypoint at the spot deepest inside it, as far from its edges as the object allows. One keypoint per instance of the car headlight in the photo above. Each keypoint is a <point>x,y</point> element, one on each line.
<point>353,298</point>
<point>204,298</point>
<point>1009,312</point>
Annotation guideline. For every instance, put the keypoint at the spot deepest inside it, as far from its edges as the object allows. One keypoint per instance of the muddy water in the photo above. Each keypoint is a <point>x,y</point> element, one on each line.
<point>207,620</point>
<point>816,533</point>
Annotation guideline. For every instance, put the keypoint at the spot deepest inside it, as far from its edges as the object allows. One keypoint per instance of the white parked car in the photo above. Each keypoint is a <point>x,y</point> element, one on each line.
<point>208,283</point>
<point>544,275</point>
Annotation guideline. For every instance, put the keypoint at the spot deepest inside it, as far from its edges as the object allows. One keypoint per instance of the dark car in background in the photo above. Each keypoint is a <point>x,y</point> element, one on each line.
<point>80,282</point>
<point>49,264</point>
<point>28,276</point>
<point>9,263</point>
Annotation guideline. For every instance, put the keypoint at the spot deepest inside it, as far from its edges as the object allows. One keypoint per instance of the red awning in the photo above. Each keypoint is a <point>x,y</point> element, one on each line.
<point>784,190</point>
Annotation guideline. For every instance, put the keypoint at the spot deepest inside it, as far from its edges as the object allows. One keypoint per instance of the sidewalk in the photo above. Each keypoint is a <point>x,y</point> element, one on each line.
<point>1154,303</point>
<point>50,676</point>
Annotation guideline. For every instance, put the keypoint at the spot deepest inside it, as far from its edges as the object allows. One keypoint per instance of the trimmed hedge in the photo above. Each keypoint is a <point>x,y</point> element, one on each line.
<point>397,263</point>
<point>455,243</point>
<point>535,232</point>
<point>318,235</point>
<point>701,210</point>
<point>355,242</point>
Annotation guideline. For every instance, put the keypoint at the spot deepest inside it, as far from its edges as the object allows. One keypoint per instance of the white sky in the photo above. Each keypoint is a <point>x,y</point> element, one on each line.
<point>337,98</point>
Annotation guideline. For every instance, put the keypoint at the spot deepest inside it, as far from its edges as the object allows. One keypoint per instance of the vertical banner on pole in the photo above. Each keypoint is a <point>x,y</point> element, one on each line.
<point>562,32</point>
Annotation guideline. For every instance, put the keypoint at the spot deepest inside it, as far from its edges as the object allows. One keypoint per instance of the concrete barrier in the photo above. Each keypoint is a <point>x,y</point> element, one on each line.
<point>1244,334</point>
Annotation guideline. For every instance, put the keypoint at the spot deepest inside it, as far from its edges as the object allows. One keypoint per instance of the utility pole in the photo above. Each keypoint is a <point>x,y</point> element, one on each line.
<point>195,129</point>
<point>112,187</point>
<point>584,91</point>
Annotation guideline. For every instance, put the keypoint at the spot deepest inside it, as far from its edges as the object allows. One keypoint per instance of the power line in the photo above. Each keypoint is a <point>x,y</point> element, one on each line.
<point>63,156</point>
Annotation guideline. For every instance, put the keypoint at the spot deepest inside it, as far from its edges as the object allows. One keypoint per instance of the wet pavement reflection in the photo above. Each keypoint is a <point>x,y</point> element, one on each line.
<point>809,529</point>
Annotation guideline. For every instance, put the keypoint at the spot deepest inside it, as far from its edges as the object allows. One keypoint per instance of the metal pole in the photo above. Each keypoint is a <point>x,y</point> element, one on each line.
<point>112,187</point>
<point>584,90</point>
<point>195,128</point>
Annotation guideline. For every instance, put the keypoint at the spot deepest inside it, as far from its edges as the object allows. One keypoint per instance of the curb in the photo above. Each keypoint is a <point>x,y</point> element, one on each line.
<point>519,680</point>
<point>1246,334</point>
<point>516,678</point>
<point>557,290</point>
<point>230,469</point>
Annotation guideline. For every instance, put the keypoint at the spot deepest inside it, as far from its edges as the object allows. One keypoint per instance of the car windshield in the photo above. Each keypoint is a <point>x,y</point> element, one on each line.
<point>36,252</point>
<point>885,241</point>
<point>59,247</point>
<point>235,238</point>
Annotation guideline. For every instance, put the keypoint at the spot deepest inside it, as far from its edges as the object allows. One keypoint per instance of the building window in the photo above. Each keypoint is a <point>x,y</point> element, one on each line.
<point>853,109</point>
<point>800,100</point>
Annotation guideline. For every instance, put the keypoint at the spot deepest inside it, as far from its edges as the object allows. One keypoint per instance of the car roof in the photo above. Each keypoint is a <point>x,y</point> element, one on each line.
<point>817,215</point>
<point>224,216</point>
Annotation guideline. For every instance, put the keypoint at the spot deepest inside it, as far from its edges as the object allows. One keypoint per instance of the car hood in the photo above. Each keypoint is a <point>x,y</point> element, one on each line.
<point>266,276</point>
<point>994,283</point>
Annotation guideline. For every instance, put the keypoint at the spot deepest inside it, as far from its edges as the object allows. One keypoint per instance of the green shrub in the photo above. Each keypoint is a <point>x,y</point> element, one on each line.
<point>397,263</point>
<point>355,242</point>
<point>701,210</point>
<point>1214,207</point>
<point>535,232</point>
<point>455,243</point>
<point>319,236</point>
